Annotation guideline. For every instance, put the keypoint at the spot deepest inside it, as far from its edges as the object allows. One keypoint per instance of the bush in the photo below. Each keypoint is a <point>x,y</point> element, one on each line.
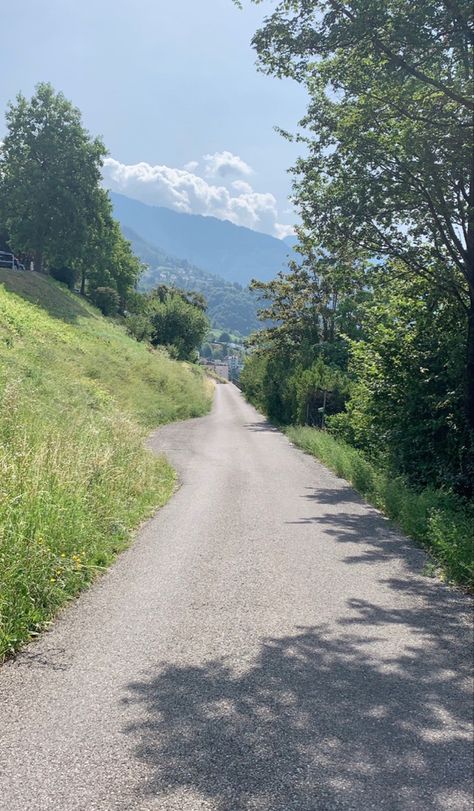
<point>139,327</point>
<point>66,275</point>
<point>177,323</point>
<point>106,299</point>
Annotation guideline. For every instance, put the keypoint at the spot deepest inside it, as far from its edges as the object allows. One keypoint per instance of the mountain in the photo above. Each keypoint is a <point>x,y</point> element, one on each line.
<point>291,240</point>
<point>217,246</point>
<point>230,306</point>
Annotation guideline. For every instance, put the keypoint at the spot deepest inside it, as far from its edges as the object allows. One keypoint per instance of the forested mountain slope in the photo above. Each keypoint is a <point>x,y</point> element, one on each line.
<point>237,254</point>
<point>230,306</point>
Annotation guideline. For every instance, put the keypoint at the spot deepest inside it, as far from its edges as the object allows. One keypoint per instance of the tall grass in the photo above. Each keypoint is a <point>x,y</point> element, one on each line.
<point>439,520</point>
<point>76,398</point>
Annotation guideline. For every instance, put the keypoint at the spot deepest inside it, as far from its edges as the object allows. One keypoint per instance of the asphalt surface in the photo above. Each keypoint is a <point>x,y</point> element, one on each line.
<point>268,643</point>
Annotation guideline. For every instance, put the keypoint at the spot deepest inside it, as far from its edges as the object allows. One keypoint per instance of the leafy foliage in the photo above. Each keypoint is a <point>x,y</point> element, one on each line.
<point>406,405</point>
<point>301,359</point>
<point>106,299</point>
<point>178,320</point>
<point>52,204</point>
<point>65,275</point>
<point>389,167</point>
<point>49,178</point>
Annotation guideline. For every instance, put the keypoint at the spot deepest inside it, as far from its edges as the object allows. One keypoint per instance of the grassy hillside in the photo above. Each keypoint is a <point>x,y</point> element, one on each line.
<point>76,397</point>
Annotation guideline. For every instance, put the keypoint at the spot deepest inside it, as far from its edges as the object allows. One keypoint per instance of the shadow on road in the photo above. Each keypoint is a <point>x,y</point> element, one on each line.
<point>376,536</point>
<point>318,722</point>
<point>334,495</point>
<point>261,426</point>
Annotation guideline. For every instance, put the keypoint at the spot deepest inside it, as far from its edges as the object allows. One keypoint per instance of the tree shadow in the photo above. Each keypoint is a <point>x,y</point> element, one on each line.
<point>51,296</point>
<point>263,426</point>
<point>334,495</point>
<point>321,720</point>
<point>378,537</point>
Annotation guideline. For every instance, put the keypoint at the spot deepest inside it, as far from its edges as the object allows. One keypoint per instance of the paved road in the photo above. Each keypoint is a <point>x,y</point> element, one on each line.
<point>267,644</point>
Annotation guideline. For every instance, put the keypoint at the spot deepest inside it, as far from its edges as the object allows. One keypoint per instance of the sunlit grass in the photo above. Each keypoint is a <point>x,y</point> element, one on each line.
<point>76,398</point>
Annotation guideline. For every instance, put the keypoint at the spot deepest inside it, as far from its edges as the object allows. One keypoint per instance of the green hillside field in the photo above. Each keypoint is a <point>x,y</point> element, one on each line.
<point>77,396</point>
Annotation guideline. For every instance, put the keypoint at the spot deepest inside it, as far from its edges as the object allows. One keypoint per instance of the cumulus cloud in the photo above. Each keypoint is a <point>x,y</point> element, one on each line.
<point>225,164</point>
<point>185,191</point>
<point>282,230</point>
<point>242,186</point>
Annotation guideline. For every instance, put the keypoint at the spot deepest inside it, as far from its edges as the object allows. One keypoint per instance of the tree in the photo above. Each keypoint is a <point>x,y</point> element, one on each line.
<point>176,322</point>
<point>390,163</point>
<point>106,299</point>
<point>206,351</point>
<point>302,355</point>
<point>109,259</point>
<point>50,170</point>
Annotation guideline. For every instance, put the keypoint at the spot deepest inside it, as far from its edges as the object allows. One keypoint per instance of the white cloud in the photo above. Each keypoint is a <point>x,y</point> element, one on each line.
<point>242,186</point>
<point>183,190</point>
<point>191,166</point>
<point>224,164</point>
<point>282,230</point>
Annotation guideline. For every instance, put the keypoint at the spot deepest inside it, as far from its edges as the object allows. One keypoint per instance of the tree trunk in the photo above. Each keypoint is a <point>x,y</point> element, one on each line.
<point>83,282</point>
<point>38,261</point>
<point>469,382</point>
<point>469,403</point>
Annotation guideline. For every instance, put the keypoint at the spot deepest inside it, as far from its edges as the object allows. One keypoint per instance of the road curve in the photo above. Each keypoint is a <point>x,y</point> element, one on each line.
<point>267,644</point>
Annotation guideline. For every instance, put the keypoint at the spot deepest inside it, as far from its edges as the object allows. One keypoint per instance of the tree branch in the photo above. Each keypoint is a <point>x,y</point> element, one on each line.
<point>402,63</point>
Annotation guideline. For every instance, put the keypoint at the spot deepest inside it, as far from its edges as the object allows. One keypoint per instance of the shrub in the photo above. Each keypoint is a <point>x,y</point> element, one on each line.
<point>139,327</point>
<point>66,275</point>
<point>106,299</point>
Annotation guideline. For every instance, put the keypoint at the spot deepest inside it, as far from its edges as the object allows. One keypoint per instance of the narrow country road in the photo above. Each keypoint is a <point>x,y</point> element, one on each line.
<point>267,644</point>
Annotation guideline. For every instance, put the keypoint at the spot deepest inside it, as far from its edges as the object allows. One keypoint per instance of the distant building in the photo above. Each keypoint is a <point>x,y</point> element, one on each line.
<point>234,366</point>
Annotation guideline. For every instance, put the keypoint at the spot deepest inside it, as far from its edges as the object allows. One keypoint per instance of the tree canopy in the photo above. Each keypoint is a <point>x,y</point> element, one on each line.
<point>178,320</point>
<point>50,169</point>
<point>385,190</point>
<point>52,204</point>
<point>388,132</point>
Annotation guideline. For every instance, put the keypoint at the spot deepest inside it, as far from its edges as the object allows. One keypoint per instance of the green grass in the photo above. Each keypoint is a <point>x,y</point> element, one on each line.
<point>439,520</point>
<point>77,396</point>
<point>209,371</point>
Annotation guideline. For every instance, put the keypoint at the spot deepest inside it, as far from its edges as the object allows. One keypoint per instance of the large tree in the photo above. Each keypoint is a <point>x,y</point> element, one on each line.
<point>389,165</point>
<point>107,259</point>
<point>50,170</point>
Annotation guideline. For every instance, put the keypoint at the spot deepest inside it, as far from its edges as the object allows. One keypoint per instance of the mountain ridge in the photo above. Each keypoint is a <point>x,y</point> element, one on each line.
<point>230,306</point>
<point>233,252</point>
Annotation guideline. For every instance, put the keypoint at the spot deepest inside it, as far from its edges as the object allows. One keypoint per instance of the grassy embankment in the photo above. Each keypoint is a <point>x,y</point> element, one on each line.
<point>438,520</point>
<point>76,398</point>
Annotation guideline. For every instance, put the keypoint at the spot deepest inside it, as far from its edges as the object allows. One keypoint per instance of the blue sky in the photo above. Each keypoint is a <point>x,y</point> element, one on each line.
<point>173,89</point>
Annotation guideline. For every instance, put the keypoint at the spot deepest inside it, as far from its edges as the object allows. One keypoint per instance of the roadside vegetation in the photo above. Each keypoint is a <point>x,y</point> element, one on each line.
<point>372,329</point>
<point>77,396</point>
